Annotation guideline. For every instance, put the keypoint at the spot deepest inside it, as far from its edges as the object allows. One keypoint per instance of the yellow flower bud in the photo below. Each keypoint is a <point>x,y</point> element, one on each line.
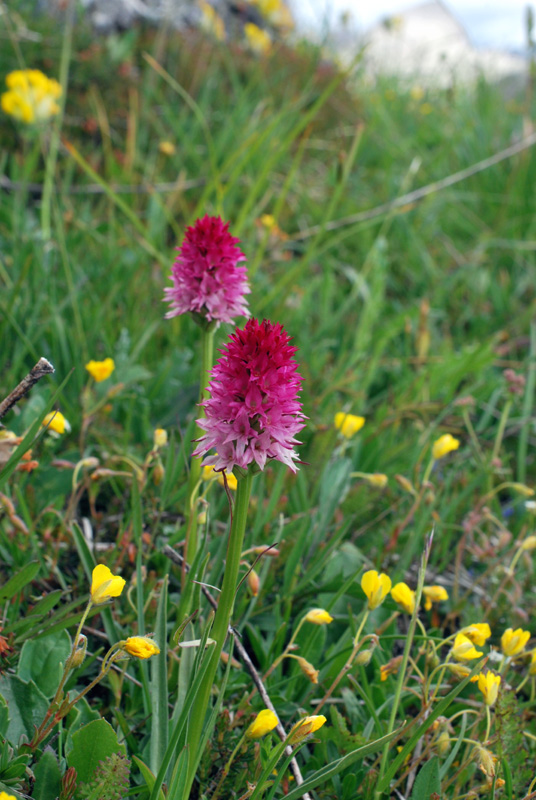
<point>489,683</point>
<point>264,722</point>
<point>348,424</point>
<point>305,727</point>
<point>478,633</point>
<point>104,585</point>
<point>363,658</point>
<point>442,743</point>
<point>513,642</point>
<point>523,490</point>
<point>318,616</point>
<point>166,148</point>
<point>444,445</point>
<point>140,647</point>
<point>529,543</point>
<point>56,422</point>
<point>433,594</point>
<point>404,596</point>
<point>253,583</point>
<point>160,437</point>
<point>100,370</point>
<point>377,479</point>
<point>80,652</point>
<point>463,649</point>
<point>376,587</point>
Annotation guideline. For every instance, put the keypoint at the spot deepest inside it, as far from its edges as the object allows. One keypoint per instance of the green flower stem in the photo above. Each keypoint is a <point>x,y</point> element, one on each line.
<point>223,614</point>
<point>488,723</point>
<point>500,430</point>
<point>405,660</point>
<point>207,346</point>
<point>348,665</point>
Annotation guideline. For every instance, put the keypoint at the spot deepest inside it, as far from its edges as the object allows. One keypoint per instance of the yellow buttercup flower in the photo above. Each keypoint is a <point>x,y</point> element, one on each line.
<point>264,722</point>
<point>434,594</point>
<point>404,596</point>
<point>489,683</point>
<point>478,633</point>
<point>211,22</point>
<point>463,649</point>
<point>376,587</point>
<point>31,96</point>
<point>140,647</point>
<point>513,642</point>
<point>348,424</point>
<point>259,41</point>
<point>104,585</point>
<point>304,727</point>
<point>444,445</point>
<point>318,616</point>
<point>209,474</point>
<point>100,370</point>
<point>56,422</point>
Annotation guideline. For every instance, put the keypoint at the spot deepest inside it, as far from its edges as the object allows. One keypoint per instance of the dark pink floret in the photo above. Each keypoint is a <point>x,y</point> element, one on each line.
<point>207,276</point>
<point>254,412</point>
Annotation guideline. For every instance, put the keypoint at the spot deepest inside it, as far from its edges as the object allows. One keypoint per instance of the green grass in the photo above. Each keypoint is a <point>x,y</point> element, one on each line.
<point>395,318</point>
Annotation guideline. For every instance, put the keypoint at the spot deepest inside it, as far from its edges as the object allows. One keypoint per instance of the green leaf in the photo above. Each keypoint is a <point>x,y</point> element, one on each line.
<point>322,775</point>
<point>4,717</point>
<point>148,776</point>
<point>42,660</point>
<point>92,744</point>
<point>78,716</point>
<point>428,781</point>
<point>19,580</point>
<point>27,706</point>
<point>47,777</point>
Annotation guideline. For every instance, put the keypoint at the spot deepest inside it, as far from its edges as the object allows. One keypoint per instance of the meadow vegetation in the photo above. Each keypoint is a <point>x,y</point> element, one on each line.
<point>396,565</point>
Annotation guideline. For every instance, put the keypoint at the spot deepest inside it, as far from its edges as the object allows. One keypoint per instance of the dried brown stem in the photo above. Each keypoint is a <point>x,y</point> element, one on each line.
<point>43,367</point>
<point>257,680</point>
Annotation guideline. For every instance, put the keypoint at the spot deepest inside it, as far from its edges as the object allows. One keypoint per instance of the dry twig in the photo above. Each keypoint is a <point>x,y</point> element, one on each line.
<point>43,367</point>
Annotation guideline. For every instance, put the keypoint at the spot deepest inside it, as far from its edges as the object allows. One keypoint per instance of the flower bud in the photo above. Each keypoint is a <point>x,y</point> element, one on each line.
<point>363,658</point>
<point>264,722</point>
<point>253,582</point>
<point>160,437</point>
<point>80,652</point>
<point>308,670</point>
<point>485,761</point>
<point>523,490</point>
<point>68,783</point>
<point>459,670</point>
<point>405,484</point>
<point>305,727</point>
<point>442,743</point>
<point>158,473</point>
<point>529,543</point>
<point>140,647</point>
<point>318,616</point>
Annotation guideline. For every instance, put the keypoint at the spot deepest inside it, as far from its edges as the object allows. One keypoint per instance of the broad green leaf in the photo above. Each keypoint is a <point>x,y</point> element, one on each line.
<point>92,744</point>
<point>427,782</point>
<point>42,660</point>
<point>47,777</point>
<point>27,706</point>
<point>19,580</point>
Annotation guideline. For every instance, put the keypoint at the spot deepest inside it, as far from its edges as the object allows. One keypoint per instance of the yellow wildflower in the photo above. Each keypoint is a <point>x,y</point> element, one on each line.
<point>318,616</point>
<point>478,633</point>
<point>376,587</point>
<point>426,108</point>
<point>489,683</point>
<point>259,41</point>
<point>56,422</point>
<point>513,642</point>
<point>166,148</point>
<point>434,594</point>
<point>529,543</point>
<point>463,649</point>
<point>377,479</point>
<point>31,96</point>
<point>391,668</point>
<point>404,596</point>
<point>160,437</point>
<point>141,647</point>
<point>275,12</point>
<point>209,473</point>
<point>104,585</point>
<point>444,445</point>
<point>264,722</point>
<point>348,424</point>
<point>416,93</point>
<point>304,727</point>
<point>6,796</point>
<point>532,665</point>
<point>100,370</point>
<point>211,22</point>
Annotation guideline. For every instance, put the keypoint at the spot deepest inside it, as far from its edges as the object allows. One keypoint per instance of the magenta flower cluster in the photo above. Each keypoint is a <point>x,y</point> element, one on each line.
<point>207,276</point>
<point>253,412</point>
